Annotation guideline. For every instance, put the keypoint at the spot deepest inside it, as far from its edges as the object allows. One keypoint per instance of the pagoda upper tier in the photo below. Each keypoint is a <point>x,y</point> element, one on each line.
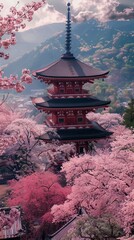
<point>69,67</point>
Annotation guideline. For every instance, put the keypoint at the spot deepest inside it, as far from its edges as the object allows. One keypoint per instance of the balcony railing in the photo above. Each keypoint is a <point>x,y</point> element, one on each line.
<point>55,94</point>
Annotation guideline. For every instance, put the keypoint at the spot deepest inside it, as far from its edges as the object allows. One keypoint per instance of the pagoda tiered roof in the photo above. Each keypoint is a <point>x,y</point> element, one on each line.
<point>69,67</point>
<point>76,134</point>
<point>47,102</point>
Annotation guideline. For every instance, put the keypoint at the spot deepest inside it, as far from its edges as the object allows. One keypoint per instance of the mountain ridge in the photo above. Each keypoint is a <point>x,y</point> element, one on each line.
<point>105,46</point>
<point>30,39</point>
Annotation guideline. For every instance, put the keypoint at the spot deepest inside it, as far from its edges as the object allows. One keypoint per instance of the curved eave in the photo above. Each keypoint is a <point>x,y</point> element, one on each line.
<point>67,106</point>
<point>48,108</point>
<point>69,68</point>
<point>75,135</point>
<point>68,77</point>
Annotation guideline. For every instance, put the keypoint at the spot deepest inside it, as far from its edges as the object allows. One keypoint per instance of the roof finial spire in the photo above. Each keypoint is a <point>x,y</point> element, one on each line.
<point>68,29</point>
<point>68,53</point>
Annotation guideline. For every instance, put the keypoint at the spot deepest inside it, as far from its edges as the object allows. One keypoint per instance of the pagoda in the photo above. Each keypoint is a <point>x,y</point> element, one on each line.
<point>67,103</point>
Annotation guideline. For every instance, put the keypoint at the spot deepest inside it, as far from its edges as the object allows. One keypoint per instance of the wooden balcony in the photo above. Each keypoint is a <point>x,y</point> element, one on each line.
<point>51,124</point>
<point>54,93</point>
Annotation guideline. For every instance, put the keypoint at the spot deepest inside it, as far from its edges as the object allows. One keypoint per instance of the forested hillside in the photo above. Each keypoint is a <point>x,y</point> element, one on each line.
<point>108,46</point>
<point>105,46</point>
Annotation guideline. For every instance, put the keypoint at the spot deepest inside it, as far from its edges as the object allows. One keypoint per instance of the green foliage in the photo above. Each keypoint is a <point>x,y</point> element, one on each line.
<point>118,96</point>
<point>102,228</point>
<point>129,115</point>
<point>129,45</point>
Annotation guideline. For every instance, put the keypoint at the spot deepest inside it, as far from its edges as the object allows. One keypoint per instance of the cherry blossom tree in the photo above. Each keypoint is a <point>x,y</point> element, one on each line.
<point>106,119</point>
<point>102,183</point>
<point>21,150</point>
<point>6,117</point>
<point>21,154</point>
<point>36,194</point>
<point>9,25</point>
<point>122,137</point>
<point>127,214</point>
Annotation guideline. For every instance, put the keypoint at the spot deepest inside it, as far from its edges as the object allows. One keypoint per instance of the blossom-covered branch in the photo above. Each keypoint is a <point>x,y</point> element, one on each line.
<point>9,25</point>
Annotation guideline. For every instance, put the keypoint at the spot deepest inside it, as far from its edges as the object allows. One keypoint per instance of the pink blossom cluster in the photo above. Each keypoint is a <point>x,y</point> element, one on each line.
<point>14,21</point>
<point>6,117</point>
<point>13,82</point>
<point>7,220</point>
<point>127,212</point>
<point>5,142</point>
<point>10,24</point>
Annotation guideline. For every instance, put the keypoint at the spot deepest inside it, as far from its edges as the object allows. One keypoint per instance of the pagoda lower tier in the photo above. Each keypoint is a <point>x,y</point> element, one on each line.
<point>76,134</point>
<point>82,137</point>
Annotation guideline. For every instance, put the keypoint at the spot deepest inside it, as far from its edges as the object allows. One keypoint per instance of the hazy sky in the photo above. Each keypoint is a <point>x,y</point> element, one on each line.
<point>55,10</point>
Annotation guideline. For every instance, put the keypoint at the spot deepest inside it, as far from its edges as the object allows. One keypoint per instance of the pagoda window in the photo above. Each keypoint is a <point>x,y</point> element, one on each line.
<point>62,90</point>
<point>80,119</point>
<point>81,149</point>
<point>61,120</point>
<point>77,90</point>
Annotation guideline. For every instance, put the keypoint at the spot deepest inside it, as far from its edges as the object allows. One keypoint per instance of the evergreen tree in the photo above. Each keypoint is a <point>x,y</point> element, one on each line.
<point>129,115</point>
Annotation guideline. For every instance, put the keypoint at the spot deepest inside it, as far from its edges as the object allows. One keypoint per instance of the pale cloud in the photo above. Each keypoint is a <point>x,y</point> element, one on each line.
<point>99,9</point>
<point>102,10</point>
<point>82,10</point>
<point>126,14</point>
<point>47,15</point>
